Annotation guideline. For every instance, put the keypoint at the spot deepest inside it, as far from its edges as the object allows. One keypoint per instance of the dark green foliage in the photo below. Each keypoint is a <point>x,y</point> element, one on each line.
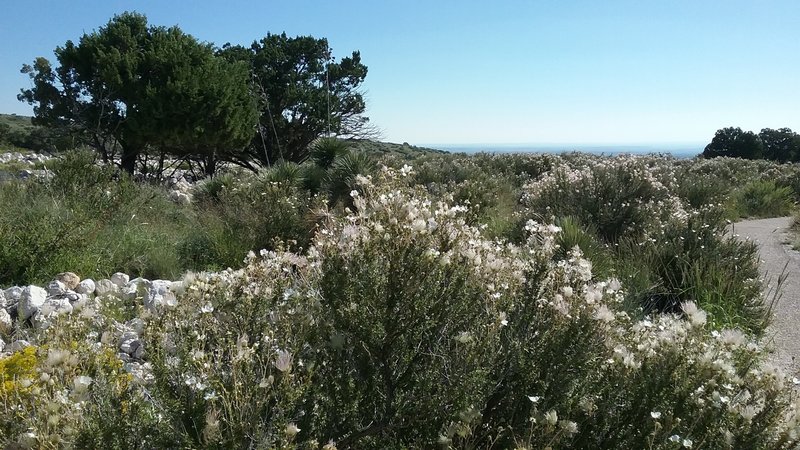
<point>261,215</point>
<point>574,234</point>
<point>694,262</point>
<point>734,142</point>
<point>324,151</point>
<point>131,86</point>
<point>303,94</point>
<point>780,145</point>
<point>760,198</point>
<point>341,178</point>
<point>19,132</point>
<point>88,220</point>
<point>211,189</point>
<point>404,150</point>
<point>610,200</point>
<point>288,173</point>
<point>701,191</point>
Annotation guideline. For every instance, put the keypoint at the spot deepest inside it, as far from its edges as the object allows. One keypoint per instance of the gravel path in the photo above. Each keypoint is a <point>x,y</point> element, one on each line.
<point>784,332</point>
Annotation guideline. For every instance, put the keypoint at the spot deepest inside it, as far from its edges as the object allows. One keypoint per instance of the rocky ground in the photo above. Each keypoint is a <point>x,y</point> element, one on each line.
<point>67,294</point>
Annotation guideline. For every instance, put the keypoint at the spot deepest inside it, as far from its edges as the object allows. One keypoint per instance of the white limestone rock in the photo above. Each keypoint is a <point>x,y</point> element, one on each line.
<point>120,279</point>
<point>56,306</point>
<point>142,372</point>
<point>128,342</point>
<point>12,295</point>
<point>158,293</point>
<point>105,287</point>
<point>86,286</point>
<point>70,280</point>
<point>32,298</point>
<point>137,325</point>
<point>135,288</point>
<point>56,288</point>
<point>6,324</point>
<point>18,345</point>
<point>2,299</point>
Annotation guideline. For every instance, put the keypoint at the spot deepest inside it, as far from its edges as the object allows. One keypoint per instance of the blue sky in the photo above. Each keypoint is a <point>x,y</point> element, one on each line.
<point>469,72</point>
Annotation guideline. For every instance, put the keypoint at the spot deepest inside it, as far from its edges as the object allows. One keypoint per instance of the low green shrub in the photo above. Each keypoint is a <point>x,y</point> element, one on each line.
<point>87,219</point>
<point>696,261</point>
<point>404,327</point>
<point>258,214</point>
<point>616,199</point>
<point>760,198</point>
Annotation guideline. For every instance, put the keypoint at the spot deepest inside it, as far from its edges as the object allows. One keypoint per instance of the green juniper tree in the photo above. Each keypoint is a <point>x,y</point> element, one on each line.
<point>303,94</point>
<point>139,88</point>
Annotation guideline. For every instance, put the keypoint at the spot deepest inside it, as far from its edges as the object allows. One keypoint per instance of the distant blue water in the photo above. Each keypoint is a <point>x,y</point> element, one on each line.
<point>683,151</point>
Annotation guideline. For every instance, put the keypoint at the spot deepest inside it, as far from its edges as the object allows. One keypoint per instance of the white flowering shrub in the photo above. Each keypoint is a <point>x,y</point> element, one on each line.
<point>619,197</point>
<point>403,325</point>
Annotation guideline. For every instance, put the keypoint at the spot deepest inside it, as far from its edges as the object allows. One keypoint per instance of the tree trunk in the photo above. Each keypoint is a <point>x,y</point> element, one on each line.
<point>211,165</point>
<point>129,154</point>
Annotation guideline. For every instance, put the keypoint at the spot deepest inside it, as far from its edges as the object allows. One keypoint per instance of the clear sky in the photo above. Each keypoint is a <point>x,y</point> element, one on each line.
<point>475,71</point>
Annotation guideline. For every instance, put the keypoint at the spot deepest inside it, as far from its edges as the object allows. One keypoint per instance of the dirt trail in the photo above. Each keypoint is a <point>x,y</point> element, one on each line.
<point>784,332</point>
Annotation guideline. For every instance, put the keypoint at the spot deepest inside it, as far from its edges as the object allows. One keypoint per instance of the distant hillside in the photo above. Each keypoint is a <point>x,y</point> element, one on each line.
<point>17,123</point>
<point>403,149</point>
<point>20,132</point>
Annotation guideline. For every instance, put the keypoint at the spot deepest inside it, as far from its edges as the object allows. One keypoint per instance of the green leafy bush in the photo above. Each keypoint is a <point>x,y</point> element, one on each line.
<point>764,199</point>
<point>616,199</point>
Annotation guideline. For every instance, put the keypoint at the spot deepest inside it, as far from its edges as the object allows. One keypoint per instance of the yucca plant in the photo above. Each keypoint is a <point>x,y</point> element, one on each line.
<point>340,180</point>
<point>285,172</point>
<point>325,150</point>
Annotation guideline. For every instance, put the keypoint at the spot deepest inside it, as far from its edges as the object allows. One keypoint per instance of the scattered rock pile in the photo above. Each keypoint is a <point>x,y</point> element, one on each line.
<point>31,159</point>
<point>36,307</point>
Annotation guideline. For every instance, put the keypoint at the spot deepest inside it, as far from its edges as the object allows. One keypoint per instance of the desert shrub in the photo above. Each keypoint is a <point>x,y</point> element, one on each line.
<point>694,260</point>
<point>210,189</point>
<point>253,215</point>
<point>324,151</point>
<point>404,327</point>
<point>86,219</point>
<point>285,172</point>
<point>764,199</point>
<point>617,198</point>
<point>340,179</point>
<point>573,234</point>
<point>698,192</point>
<point>521,166</point>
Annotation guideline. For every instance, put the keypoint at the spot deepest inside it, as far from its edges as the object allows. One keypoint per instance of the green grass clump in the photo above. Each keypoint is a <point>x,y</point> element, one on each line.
<point>760,198</point>
<point>697,262</point>
<point>89,220</point>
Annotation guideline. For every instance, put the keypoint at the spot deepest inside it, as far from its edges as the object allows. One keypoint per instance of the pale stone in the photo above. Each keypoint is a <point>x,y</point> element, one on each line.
<point>13,294</point>
<point>70,280</point>
<point>85,287</point>
<point>55,305</point>
<point>6,324</point>
<point>142,372</point>
<point>134,288</point>
<point>137,325</point>
<point>158,293</point>
<point>105,287</point>
<point>56,288</point>
<point>17,346</point>
<point>120,279</point>
<point>33,297</point>
<point>128,342</point>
